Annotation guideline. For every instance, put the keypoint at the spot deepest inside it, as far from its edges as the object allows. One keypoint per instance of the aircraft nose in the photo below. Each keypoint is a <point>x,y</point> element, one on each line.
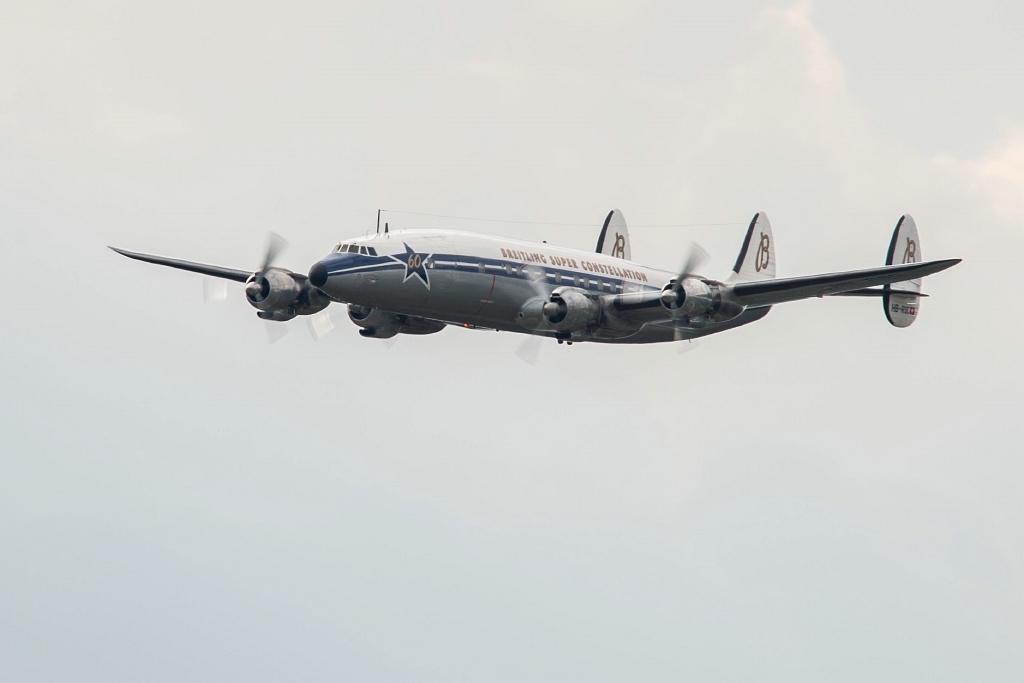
<point>318,274</point>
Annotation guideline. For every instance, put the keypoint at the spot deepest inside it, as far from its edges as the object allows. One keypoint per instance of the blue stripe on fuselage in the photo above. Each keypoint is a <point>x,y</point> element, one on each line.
<point>343,264</point>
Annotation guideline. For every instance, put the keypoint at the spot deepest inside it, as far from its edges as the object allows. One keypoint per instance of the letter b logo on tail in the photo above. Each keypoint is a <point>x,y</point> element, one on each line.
<point>764,253</point>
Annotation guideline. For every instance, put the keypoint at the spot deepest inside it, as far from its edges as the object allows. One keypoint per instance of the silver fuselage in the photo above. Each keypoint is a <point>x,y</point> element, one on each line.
<point>481,281</point>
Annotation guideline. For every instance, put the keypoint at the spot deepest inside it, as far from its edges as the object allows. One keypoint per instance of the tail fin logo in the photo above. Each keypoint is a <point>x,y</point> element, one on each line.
<point>763,253</point>
<point>619,248</point>
<point>910,253</point>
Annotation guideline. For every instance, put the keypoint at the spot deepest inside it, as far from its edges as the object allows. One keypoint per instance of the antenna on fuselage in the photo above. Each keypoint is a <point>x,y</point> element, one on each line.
<point>378,223</point>
<point>385,228</point>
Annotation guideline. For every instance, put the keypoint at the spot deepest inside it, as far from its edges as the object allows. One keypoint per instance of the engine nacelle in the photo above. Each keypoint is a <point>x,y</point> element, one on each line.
<point>699,301</point>
<point>311,300</point>
<point>692,300</point>
<point>569,310</point>
<point>375,322</point>
<point>279,315</point>
<point>272,290</point>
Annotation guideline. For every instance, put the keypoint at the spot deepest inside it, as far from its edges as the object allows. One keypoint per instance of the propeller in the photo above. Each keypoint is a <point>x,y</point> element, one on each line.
<point>214,289</point>
<point>696,256</point>
<point>320,324</point>
<point>690,345</point>
<point>529,350</point>
<point>275,246</point>
<point>275,330</point>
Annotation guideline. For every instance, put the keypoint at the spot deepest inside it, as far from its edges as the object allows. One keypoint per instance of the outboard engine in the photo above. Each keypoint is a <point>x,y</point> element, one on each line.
<point>281,295</point>
<point>272,290</point>
<point>569,310</point>
<point>374,322</point>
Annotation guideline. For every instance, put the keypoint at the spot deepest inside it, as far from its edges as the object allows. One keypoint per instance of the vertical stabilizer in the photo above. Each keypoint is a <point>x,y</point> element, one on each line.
<point>756,260</point>
<point>905,247</point>
<point>614,238</point>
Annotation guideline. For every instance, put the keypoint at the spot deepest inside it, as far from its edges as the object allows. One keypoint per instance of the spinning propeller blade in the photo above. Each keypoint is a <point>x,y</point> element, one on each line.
<point>275,246</point>
<point>690,345</point>
<point>529,350</point>
<point>695,258</point>
<point>320,324</point>
<point>214,289</point>
<point>275,330</point>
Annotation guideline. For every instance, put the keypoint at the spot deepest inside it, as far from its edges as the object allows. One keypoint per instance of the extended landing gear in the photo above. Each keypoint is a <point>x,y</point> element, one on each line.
<point>566,341</point>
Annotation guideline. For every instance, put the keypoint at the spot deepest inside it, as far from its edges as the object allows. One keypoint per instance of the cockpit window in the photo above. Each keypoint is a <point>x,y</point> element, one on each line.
<point>373,252</point>
<point>353,249</point>
<point>362,250</point>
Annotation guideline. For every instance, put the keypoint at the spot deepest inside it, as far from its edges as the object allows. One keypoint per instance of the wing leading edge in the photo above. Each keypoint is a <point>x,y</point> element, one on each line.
<point>214,271</point>
<point>769,292</point>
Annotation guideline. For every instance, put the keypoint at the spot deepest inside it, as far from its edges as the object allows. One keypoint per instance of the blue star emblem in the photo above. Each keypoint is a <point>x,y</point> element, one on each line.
<point>415,264</point>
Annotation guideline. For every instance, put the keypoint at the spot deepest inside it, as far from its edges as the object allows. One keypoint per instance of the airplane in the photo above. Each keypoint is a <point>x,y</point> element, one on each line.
<point>420,281</point>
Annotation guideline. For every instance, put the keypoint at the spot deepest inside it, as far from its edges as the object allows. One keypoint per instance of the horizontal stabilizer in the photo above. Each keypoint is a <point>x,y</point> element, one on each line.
<point>215,271</point>
<point>768,292</point>
<point>878,291</point>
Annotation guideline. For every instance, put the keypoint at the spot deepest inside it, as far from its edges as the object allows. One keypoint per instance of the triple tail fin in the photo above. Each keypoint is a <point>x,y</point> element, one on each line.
<point>614,237</point>
<point>756,260</point>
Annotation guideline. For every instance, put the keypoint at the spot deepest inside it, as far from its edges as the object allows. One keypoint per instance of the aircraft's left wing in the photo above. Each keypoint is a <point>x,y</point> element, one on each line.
<point>769,292</point>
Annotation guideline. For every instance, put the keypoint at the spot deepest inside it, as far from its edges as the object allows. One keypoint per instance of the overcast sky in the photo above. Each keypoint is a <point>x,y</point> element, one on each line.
<point>817,496</point>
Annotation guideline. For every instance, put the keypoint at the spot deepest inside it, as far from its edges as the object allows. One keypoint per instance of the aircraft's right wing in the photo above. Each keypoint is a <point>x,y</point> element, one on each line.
<point>215,271</point>
<point>769,292</point>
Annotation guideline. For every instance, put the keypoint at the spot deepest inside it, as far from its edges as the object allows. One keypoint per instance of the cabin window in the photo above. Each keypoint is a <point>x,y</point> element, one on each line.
<point>480,266</point>
<point>508,269</point>
<point>558,278</point>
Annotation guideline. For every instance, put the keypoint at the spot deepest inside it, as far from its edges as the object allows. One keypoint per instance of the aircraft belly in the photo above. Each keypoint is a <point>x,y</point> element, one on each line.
<point>653,333</point>
<point>457,298</point>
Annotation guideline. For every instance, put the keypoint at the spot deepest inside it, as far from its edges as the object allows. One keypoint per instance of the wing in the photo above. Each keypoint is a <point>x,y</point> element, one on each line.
<point>769,292</point>
<point>215,271</point>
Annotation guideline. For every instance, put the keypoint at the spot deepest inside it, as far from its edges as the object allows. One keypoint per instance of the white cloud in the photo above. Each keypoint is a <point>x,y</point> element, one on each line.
<point>998,174</point>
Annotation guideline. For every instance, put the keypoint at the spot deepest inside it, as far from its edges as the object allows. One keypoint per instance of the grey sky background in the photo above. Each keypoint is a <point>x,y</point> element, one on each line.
<point>816,496</point>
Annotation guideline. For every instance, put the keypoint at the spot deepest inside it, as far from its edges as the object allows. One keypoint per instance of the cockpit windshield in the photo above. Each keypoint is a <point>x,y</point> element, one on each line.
<point>354,249</point>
